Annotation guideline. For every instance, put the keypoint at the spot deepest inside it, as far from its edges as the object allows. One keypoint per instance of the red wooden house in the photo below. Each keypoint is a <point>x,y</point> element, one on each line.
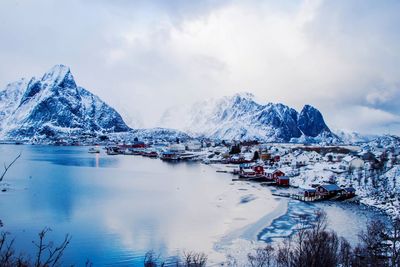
<point>134,145</point>
<point>277,158</point>
<point>258,169</point>
<point>273,174</point>
<point>282,181</point>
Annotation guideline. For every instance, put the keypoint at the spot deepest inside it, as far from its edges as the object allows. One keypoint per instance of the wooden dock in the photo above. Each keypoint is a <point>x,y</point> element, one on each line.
<point>282,194</point>
<point>298,197</point>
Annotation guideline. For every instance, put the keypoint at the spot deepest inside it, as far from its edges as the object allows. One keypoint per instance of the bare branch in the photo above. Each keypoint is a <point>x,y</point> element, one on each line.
<point>8,167</point>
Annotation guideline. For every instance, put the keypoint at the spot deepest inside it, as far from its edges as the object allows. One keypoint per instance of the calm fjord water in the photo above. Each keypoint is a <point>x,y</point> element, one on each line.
<point>119,207</point>
<point>115,207</point>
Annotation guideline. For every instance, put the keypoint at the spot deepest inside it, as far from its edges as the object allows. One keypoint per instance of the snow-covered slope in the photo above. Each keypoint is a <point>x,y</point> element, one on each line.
<point>160,133</point>
<point>351,137</point>
<point>240,117</point>
<point>54,105</point>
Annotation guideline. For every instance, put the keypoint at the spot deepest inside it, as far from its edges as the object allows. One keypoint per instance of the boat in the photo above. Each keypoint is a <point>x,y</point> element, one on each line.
<point>150,153</point>
<point>94,150</point>
<point>112,151</point>
<point>128,152</point>
<point>187,156</point>
<point>169,156</point>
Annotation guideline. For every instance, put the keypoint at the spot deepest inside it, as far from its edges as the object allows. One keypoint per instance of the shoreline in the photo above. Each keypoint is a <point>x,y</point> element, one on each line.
<point>251,231</point>
<point>239,242</point>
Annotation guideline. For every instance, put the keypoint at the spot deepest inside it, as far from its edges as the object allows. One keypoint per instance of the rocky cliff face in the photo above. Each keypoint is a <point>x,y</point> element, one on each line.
<point>310,122</point>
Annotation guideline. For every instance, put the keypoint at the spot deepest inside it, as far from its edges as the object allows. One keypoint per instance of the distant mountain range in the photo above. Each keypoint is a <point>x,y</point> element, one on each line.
<point>240,117</point>
<point>55,106</point>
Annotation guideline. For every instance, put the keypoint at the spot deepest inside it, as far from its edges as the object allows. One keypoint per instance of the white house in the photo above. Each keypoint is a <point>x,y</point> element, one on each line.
<point>301,160</point>
<point>193,145</point>
<point>332,157</point>
<point>352,162</point>
<point>177,148</point>
<point>314,156</point>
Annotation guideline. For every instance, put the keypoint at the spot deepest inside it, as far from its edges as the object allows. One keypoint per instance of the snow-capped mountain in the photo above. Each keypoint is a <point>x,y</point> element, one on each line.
<point>54,105</point>
<point>240,117</point>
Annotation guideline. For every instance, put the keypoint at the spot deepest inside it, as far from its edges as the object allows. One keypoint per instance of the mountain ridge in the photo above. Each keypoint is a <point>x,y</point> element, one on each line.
<point>240,117</point>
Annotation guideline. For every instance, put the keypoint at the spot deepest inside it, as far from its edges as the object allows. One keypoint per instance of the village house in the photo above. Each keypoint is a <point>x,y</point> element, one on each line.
<point>258,169</point>
<point>301,160</point>
<point>310,193</point>
<point>367,156</point>
<point>328,190</point>
<point>282,180</point>
<point>351,162</point>
<point>333,157</point>
<point>246,173</point>
<point>193,145</point>
<point>314,157</point>
<point>349,192</point>
<point>272,174</point>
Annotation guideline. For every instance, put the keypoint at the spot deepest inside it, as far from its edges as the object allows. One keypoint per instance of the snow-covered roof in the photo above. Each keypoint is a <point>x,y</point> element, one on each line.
<point>348,158</point>
<point>331,187</point>
<point>350,189</point>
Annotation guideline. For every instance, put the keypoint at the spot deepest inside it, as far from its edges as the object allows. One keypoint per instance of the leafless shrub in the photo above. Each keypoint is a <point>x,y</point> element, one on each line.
<point>373,248</point>
<point>47,253</point>
<point>284,255</point>
<point>151,260</point>
<point>345,256</point>
<point>194,259</point>
<point>262,257</point>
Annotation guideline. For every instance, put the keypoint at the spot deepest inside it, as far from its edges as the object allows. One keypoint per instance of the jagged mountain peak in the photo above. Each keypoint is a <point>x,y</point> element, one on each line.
<point>311,121</point>
<point>309,109</point>
<point>243,95</point>
<point>57,72</point>
<point>54,105</point>
<point>59,75</point>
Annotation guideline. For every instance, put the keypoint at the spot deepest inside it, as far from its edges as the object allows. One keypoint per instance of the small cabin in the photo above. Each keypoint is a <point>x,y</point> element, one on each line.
<point>168,155</point>
<point>282,181</point>
<point>276,158</point>
<point>258,169</point>
<point>310,193</point>
<point>193,146</point>
<point>301,160</point>
<point>352,162</point>
<point>328,190</point>
<point>265,156</point>
<point>349,192</point>
<point>367,156</point>
<point>243,166</point>
<point>277,173</point>
<point>273,174</point>
<point>138,144</point>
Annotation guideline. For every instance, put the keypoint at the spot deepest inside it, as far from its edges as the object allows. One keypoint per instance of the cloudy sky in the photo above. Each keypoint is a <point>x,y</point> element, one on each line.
<point>144,56</point>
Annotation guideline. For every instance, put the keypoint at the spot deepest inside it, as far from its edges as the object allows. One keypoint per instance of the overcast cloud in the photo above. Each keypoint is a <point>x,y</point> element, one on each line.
<point>144,56</point>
